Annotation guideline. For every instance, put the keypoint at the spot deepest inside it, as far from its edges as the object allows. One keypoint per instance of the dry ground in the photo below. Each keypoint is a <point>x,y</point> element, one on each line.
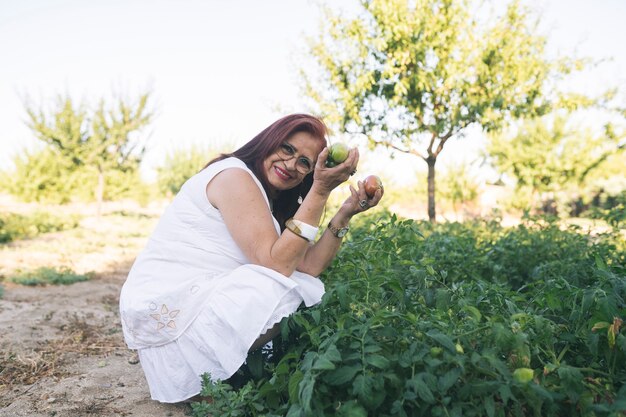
<point>61,347</point>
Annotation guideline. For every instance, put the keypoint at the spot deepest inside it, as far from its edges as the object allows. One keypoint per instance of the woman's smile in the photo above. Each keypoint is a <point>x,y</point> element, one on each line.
<point>282,173</point>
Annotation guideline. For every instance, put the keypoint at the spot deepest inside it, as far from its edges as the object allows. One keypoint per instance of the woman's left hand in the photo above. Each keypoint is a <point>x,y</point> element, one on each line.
<point>358,202</point>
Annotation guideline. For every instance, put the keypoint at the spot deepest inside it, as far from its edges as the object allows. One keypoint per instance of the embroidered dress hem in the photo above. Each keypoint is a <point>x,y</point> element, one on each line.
<point>243,307</point>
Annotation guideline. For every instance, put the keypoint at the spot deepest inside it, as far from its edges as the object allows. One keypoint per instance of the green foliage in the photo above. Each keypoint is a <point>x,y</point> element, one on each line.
<point>48,276</point>
<point>412,75</point>
<point>547,158</point>
<point>43,176</point>
<point>19,226</point>
<point>180,165</point>
<point>104,138</point>
<point>450,320</point>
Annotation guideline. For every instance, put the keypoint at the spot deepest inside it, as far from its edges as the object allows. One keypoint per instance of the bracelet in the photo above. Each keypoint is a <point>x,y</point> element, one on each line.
<point>305,231</point>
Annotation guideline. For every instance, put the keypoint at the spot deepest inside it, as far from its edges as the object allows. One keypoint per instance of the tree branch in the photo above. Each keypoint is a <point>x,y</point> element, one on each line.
<point>432,142</point>
<point>442,141</point>
<point>399,149</point>
<point>598,161</point>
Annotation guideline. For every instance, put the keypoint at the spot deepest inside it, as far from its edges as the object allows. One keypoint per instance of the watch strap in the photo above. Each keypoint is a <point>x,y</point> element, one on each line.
<point>337,231</point>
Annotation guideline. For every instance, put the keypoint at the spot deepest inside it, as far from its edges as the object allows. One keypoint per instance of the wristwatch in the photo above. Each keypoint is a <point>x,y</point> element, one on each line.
<point>337,232</point>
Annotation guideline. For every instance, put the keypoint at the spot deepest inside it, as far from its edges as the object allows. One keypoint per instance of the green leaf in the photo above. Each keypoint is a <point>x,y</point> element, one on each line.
<point>296,410</point>
<point>443,339</point>
<point>342,375</point>
<point>505,394</point>
<point>322,363</point>
<point>305,392</point>
<point>490,406</point>
<point>316,316</point>
<point>377,361</point>
<point>255,363</point>
<point>332,354</point>
<point>372,348</point>
<point>292,386</point>
<point>417,385</point>
<point>474,312</point>
<point>448,379</point>
<point>363,386</point>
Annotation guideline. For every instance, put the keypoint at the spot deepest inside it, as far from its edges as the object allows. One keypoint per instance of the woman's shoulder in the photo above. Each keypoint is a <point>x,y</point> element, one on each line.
<point>230,162</point>
<point>207,174</point>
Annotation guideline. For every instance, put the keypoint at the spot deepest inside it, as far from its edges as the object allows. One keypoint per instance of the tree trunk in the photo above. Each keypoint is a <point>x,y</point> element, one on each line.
<point>431,160</point>
<point>100,191</point>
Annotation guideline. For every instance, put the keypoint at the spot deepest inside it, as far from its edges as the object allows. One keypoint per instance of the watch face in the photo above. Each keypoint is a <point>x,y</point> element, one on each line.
<point>342,232</point>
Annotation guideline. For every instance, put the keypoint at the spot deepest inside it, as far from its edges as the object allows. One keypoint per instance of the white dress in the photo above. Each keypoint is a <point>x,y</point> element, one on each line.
<point>193,303</point>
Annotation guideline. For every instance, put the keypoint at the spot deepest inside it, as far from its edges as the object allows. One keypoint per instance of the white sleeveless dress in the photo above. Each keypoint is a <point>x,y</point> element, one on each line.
<point>193,303</point>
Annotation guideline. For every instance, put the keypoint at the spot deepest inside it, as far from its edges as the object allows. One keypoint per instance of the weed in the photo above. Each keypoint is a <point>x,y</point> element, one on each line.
<point>83,337</point>
<point>27,368</point>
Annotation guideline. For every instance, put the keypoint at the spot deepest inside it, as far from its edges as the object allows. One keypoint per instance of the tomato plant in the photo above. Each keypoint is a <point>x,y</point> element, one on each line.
<point>449,319</point>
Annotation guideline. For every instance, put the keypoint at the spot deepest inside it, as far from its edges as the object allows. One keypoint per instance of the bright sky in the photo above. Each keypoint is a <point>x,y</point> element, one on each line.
<point>219,70</point>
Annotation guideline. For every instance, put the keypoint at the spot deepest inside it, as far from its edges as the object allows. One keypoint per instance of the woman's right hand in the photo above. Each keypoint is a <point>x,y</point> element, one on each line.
<point>326,179</point>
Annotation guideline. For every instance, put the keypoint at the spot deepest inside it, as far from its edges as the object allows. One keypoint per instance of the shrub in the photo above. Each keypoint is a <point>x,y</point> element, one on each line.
<point>18,226</point>
<point>44,176</point>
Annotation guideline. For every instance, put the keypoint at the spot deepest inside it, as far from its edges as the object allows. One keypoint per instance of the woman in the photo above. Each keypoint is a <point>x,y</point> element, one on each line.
<point>235,253</point>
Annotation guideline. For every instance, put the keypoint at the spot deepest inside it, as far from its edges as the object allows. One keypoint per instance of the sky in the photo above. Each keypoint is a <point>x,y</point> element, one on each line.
<point>219,70</point>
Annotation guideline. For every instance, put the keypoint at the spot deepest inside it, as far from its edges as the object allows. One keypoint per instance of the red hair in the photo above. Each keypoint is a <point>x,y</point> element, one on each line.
<point>254,153</point>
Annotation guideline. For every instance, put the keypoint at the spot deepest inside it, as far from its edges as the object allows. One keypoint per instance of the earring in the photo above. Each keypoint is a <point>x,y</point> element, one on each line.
<point>300,199</point>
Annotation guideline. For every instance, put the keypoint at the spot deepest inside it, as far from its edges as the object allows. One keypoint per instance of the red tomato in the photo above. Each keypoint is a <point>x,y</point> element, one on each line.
<point>371,184</point>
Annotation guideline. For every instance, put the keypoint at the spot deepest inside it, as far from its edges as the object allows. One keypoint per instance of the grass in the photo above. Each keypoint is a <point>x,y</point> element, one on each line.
<point>49,276</point>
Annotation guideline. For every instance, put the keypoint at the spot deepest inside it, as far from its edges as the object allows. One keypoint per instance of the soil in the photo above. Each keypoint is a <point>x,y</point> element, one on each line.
<point>62,354</point>
<point>62,351</point>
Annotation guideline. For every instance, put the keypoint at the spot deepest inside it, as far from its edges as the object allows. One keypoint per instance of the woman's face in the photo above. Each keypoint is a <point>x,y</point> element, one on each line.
<point>292,161</point>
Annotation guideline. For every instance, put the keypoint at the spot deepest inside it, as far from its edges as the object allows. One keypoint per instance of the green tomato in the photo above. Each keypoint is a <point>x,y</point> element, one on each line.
<point>337,153</point>
<point>523,375</point>
<point>436,351</point>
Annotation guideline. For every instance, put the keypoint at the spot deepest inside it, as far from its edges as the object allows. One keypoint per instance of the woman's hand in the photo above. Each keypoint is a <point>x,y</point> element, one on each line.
<point>358,202</point>
<point>327,179</point>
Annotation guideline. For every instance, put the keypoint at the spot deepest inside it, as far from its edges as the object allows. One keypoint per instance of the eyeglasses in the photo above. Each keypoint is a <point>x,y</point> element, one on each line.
<point>286,152</point>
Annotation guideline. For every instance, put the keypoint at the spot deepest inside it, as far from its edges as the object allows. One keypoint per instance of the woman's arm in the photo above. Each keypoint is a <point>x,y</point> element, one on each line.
<point>244,210</point>
<point>319,256</point>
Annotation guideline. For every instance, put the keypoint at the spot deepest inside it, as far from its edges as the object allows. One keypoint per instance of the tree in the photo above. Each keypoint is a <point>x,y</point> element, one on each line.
<point>105,138</point>
<point>180,165</point>
<point>546,155</point>
<point>411,75</point>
